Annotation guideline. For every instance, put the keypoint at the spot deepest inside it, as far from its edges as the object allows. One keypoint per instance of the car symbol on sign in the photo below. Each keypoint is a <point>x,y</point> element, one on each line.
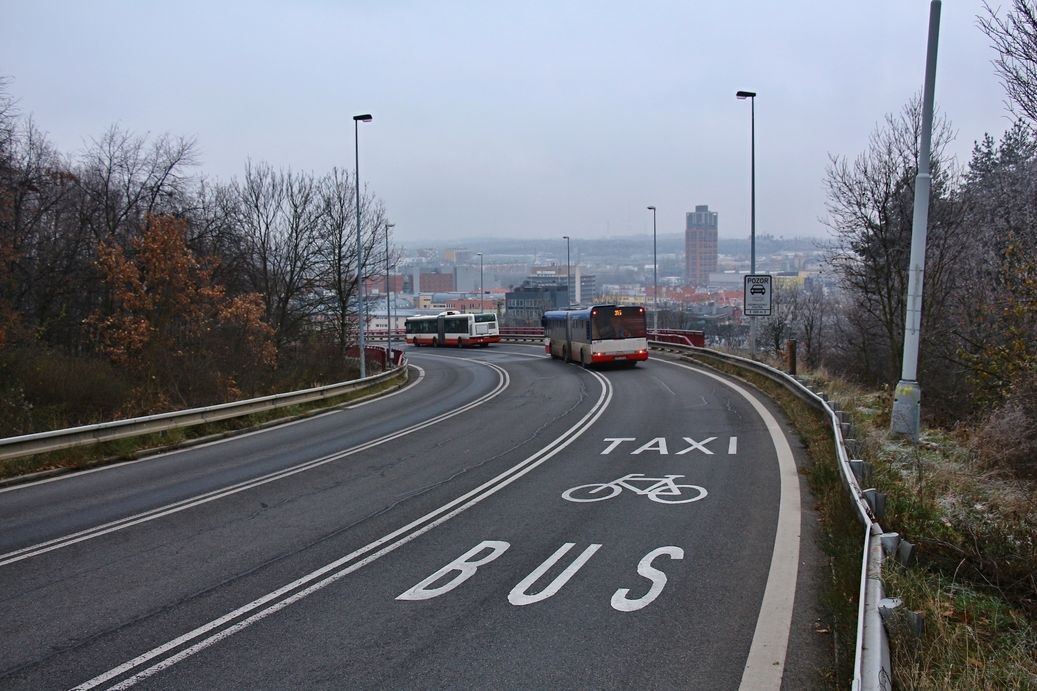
<point>757,290</point>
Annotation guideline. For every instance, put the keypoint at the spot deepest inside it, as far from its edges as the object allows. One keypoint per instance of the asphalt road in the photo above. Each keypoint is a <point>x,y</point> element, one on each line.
<point>504,521</point>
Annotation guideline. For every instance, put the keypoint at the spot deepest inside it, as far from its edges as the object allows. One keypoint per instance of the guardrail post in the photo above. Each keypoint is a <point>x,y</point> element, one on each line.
<point>877,501</point>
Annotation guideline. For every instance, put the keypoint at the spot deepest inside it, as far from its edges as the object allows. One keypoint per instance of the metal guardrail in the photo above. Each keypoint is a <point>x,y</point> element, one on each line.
<point>56,440</point>
<point>871,657</point>
<point>871,663</point>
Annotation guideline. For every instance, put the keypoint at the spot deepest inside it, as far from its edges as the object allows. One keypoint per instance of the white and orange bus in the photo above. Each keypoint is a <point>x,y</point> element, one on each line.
<point>597,334</point>
<point>452,329</point>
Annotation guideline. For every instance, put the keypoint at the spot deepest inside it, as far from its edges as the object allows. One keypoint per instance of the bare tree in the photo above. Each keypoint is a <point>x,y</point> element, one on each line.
<point>1014,36</point>
<point>870,205</point>
<point>338,251</point>
<point>126,179</point>
<point>780,326</point>
<point>43,249</point>
<point>278,217</point>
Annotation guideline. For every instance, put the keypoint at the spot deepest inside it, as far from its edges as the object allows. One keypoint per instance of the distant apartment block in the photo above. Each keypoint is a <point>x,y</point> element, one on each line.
<point>700,245</point>
<point>436,282</point>
<point>525,305</point>
<point>582,287</point>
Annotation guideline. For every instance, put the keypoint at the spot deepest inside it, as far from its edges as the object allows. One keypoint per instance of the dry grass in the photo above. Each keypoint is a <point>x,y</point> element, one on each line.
<point>974,526</point>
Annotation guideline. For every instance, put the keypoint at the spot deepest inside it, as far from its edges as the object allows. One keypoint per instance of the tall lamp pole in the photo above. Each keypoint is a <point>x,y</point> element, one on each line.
<point>655,277</point>
<point>388,302</point>
<point>568,273</point>
<point>482,292</point>
<point>905,419</point>
<point>357,119</point>
<point>751,95</point>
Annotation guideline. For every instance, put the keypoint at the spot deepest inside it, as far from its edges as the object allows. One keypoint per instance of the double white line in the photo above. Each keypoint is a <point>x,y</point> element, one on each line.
<point>184,646</point>
<point>176,507</point>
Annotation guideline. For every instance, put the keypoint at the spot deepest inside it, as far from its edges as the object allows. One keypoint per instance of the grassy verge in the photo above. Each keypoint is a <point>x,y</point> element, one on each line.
<point>975,533</point>
<point>135,447</point>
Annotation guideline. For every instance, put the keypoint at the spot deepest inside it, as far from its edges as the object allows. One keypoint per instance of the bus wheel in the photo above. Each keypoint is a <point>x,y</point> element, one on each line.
<point>435,342</point>
<point>565,354</point>
<point>584,360</point>
<point>460,343</point>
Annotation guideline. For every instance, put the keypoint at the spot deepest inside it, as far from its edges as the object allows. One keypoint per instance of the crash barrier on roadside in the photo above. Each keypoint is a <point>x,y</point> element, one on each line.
<point>871,669</point>
<point>56,440</point>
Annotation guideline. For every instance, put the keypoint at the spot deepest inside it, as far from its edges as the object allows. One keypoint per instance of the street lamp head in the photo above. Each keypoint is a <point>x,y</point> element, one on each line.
<point>742,95</point>
<point>651,208</point>
<point>366,117</point>
<point>565,237</point>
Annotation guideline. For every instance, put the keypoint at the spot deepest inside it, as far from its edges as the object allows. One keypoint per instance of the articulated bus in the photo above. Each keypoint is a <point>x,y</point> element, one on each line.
<point>597,334</point>
<point>452,329</point>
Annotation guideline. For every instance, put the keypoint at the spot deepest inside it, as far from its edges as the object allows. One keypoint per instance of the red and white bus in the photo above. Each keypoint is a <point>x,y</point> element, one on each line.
<point>452,329</point>
<point>597,334</point>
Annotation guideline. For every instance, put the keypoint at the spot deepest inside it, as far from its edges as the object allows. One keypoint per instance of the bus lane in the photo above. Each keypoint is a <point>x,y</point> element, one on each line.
<point>637,555</point>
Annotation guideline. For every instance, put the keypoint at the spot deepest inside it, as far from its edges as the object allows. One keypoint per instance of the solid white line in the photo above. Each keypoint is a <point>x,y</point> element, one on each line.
<point>160,512</point>
<point>766,662</point>
<point>383,545</point>
<point>224,440</point>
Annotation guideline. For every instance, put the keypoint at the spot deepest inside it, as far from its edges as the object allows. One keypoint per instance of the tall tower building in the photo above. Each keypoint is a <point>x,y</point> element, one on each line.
<point>700,245</point>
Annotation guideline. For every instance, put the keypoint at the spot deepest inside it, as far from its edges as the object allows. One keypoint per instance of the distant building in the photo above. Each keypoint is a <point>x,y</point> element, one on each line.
<point>582,287</point>
<point>525,305</point>
<point>700,245</point>
<point>436,282</point>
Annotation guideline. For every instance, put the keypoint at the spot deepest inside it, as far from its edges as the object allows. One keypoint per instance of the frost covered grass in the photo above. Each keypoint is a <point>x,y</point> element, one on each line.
<point>974,526</point>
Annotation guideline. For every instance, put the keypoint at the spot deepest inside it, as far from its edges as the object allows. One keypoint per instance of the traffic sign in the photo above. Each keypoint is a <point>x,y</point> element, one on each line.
<point>756,301</point>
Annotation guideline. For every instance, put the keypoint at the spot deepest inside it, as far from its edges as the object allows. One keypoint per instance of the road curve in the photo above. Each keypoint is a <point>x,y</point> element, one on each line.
<point>568,528</point>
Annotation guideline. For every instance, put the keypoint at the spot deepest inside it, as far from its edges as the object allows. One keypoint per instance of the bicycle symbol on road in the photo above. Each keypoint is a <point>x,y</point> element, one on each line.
<point>661,489</point>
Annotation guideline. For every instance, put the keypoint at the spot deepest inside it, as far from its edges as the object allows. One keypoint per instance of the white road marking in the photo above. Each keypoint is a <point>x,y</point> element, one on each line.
<point>766,662</point>
<point>214,631</point>
<point>224,440</point>
<point>700,445</point>
<point>520,596</point>
<point>160,512</point>
<point>622,603</point>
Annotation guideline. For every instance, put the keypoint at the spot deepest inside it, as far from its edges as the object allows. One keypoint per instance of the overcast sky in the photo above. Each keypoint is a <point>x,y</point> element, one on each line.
<point>513,119</point>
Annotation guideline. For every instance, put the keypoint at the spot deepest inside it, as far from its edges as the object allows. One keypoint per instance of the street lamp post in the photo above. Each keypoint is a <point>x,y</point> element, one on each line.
<point>906,417</point>
<point>482,292</point>
<point>357,119</point>
<point>655,277</point>
<point>751,95</point>
<point>388,302</point>
<point>568,273</point>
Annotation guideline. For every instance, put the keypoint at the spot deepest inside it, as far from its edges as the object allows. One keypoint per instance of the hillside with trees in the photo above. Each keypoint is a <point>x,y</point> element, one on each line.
<point>130,284</point>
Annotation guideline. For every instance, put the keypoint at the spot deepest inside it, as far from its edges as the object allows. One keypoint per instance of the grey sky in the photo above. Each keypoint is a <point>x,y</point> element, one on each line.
<point>511,119</point>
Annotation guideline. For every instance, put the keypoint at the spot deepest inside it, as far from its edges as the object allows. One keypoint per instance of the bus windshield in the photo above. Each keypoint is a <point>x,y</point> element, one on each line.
<point>618,322</point>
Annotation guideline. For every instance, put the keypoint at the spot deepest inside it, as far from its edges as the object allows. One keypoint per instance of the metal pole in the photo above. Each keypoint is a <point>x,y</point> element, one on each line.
<point>907,401</point>
<point>752,184</point>
<point>752,212</point>
<point>482,291</point>
<point>388,302</point>
<point>655,276</point>
<point>357,119</point>
<point>568,274</point>
<point>751,95</point>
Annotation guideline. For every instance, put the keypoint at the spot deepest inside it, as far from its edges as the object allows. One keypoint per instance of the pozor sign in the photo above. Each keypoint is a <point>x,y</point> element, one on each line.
<point>757,298</point>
